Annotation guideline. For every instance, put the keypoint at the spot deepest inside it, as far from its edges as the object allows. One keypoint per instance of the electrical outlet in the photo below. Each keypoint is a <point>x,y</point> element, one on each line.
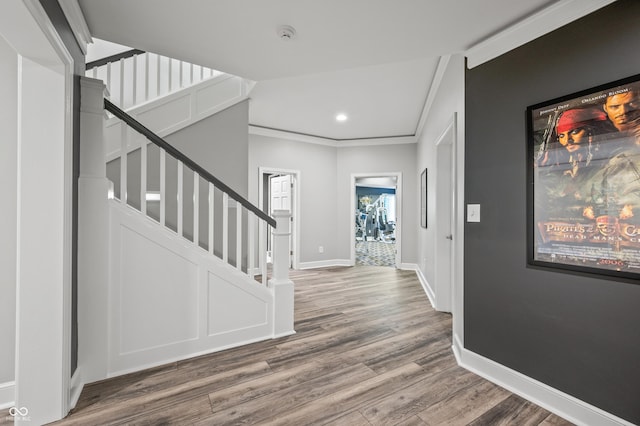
<point>320,249</point>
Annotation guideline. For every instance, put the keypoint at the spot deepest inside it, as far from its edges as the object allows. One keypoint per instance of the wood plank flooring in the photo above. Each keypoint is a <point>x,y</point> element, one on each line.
<point>369,350</point>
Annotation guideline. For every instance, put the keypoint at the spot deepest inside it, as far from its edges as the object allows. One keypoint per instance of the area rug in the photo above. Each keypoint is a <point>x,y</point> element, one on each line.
<point>375,253</point>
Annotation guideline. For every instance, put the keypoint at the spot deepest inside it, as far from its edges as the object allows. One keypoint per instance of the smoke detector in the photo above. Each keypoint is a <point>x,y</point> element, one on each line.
<point>286,32</point>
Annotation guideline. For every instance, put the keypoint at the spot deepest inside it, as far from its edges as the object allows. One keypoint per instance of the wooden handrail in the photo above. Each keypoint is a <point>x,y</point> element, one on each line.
<point>113,58</point>
<point>157,140</point>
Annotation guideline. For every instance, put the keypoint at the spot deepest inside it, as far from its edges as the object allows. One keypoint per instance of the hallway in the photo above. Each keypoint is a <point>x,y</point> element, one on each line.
<point>369,349</point>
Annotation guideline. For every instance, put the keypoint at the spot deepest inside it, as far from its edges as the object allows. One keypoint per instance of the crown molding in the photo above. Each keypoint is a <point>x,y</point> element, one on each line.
<point>336,143</point>
<point>443,62</point>
<point>536,25</point>
<point>78,24</point>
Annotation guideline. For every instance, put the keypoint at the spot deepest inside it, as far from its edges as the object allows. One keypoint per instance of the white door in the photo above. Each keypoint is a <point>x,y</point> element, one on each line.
<point>280,193</point>
<point>444,213</point>
<point>280,190</point>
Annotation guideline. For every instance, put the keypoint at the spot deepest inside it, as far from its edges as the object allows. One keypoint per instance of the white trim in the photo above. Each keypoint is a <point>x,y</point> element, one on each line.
<point>445,293</point>
<point>285,334</point>
<point>433,92</point>
<point>169,360</point>
<point>76,387</point>
<point>75,17</point>
<point>194,115</point>
<point>399,217</point>
<point>297,216</point>
<point>335,143</point>
<point>66,60</point>
<point>423,282</point>
<point>558,402</point>
<point>407,266</point>
<point>7,395</point>
<point>396,140</point>
<point>324,264</point>
<point>536,25</point>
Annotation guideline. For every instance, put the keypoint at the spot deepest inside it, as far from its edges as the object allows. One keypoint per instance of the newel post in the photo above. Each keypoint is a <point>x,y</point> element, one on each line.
<point>93,234</point>
<point>280,284</point>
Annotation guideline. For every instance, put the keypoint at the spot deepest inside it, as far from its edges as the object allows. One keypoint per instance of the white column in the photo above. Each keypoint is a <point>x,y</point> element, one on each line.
<point>43,272</point>
<point>280,284</point>
<point>93,235</point>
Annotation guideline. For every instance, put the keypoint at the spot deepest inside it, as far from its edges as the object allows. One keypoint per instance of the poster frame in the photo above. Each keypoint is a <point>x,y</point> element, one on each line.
<point>594,96</point>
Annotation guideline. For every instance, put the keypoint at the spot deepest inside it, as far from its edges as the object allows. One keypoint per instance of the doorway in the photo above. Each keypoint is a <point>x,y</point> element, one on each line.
<point>279,190</point>
<point>375,224</point>
<point>445,214</point>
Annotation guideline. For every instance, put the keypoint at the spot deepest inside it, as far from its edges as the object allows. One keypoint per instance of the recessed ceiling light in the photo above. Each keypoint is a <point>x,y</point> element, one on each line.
<point>341,117</point>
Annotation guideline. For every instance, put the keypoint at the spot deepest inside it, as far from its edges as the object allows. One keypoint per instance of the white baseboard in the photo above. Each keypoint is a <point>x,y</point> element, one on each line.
<point>76,388</point>
<point>7,395</point>
<point>195,354</point>
<point>324,264</point>
<point>288,333</point>
<point>425,286</point>
<point>558,402</point>
<point>408,266</point>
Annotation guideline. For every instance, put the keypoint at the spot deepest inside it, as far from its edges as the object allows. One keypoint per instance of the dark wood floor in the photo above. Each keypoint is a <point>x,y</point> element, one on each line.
<point>369,350</point>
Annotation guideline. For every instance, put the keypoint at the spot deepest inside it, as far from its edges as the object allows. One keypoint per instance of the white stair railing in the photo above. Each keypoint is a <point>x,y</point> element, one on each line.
<point>135,77</point>
<point>243,227</point>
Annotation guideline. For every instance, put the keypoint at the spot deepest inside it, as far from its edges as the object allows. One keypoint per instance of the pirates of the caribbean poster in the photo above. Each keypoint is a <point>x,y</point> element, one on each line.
<point>585,180</point>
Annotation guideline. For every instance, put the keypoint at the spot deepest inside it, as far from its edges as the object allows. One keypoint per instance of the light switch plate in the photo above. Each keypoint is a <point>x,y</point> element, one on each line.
<point>473,212</point>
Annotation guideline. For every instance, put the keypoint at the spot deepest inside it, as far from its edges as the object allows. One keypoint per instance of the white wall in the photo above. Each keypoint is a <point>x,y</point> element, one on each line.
<point>448,100</point>
<point>101,49</point>
<point>378,159</point>
<point>8,181</point>
<point>325,187</point>
<point>317,166</point>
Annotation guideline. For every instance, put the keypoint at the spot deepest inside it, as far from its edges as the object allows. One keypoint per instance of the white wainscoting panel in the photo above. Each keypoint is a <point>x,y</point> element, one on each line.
<point>170,299</point>
<point>211,97</point>
<point>165,116</point>
<point>233,308</point>
<point>178,110</point>
<point>158,294</point>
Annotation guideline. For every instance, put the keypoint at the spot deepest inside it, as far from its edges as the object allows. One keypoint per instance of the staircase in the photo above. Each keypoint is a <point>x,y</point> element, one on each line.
<point>152,291</point>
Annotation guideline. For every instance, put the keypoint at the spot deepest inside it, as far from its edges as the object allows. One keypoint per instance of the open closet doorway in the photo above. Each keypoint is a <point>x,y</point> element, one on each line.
<point>375,228</point>
<point>279,190</point>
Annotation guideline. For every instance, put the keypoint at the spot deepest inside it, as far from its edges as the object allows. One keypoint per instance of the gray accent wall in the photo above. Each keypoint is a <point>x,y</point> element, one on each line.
<point>574,332</point>
<point>8,211</point>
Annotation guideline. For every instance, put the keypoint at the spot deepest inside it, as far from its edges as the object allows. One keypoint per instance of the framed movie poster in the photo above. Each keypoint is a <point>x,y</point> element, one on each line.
<point>584,180</point>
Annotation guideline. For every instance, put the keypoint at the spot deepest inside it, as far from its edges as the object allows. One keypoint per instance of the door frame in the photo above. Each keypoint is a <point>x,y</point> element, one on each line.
<point>295,205</point>
<point>399,219</point>
<point>44,339</point>
<point>444,293</point>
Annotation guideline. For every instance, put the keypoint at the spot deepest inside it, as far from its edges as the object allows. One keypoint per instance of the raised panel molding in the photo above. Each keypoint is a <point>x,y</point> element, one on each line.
<point>175,111</point>
<point>160,297</point>
<point>232,308</point>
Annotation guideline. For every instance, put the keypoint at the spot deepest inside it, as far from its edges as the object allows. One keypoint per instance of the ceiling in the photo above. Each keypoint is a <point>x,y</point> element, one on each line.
<point>373,60</point>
